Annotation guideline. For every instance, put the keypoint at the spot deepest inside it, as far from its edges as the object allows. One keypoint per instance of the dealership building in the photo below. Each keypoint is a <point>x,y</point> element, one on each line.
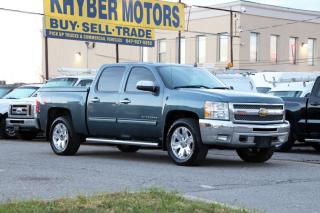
<point>264,38</point>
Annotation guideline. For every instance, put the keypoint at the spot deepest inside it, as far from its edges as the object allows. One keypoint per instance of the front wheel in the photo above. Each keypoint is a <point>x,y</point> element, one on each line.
<point>316,147</point>
<point>184,143</point>
<point>255,155</point>
<point>63,138</point>
<point>5,132</point>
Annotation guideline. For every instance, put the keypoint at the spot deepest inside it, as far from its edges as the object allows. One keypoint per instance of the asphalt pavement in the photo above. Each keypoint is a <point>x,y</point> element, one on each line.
<point>288,183</point>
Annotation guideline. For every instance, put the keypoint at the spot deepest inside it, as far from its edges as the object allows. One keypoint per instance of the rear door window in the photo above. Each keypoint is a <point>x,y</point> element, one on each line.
<point>110,79</point>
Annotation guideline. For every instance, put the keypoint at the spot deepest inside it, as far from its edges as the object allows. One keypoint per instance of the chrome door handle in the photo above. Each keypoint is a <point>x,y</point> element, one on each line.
<point>95,100</point>
<point>125,101</point>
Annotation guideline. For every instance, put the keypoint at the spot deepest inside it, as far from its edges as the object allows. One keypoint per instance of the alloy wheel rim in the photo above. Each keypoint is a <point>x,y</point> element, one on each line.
<point>60,137</point>
<point>182,143</point>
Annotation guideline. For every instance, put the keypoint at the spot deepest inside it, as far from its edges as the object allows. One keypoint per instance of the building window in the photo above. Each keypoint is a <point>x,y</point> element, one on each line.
<point>201,49</point>
<point>293,50</point>
<point>223,47</point>
<point>144,54</point>
<point>274,48</point>
<point>311,50</point>
<point>183,50</point>
<point>162,50</point>
<point>254,42</point>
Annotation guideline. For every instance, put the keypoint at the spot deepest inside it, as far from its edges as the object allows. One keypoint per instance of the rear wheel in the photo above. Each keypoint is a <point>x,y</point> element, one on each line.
<point>24,135</point>
<point>316,147</point>
<point>184,143</point>
<point>128,149</point>
<point>255,155</point>
<point>63,138</point>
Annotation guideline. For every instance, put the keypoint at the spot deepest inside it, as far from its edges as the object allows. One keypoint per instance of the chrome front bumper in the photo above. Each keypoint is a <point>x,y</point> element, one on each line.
<point>228,134</point>
<point>27,124</point>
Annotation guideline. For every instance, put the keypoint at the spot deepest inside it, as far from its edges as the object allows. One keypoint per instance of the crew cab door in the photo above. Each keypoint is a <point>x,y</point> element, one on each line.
<point>313,122</point>
<point>103,102</point>
<point>140,112</point>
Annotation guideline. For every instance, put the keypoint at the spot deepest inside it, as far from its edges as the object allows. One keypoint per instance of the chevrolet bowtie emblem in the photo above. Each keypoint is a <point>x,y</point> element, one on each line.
<point>263,112</point>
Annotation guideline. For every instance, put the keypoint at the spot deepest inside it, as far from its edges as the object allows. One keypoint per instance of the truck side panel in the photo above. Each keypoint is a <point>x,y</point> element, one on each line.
<point>57,102</point>
<point>296,114</point>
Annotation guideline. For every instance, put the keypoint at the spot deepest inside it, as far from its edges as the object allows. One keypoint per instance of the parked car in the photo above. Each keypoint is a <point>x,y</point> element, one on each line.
<point>22,116</point>
<point>5,89</point>
<point>293,90</point>
<point>16,94</point>
<point>303,114</point>
<point>238,82</point>
<point>182,109</point>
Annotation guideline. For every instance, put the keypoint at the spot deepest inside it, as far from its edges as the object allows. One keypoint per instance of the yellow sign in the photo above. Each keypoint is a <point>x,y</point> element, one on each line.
<point>115,21</point>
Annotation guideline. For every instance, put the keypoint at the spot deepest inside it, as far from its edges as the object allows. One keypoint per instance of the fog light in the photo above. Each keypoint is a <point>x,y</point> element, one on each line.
<point>223,138</point>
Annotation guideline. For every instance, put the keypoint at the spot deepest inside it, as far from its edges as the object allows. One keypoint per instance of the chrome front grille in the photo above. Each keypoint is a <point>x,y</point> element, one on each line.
<point>20,110</point>
<point>257,113</point>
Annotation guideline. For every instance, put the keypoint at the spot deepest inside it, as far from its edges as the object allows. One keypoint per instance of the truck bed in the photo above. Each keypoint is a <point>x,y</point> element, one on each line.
<point>72,99</point>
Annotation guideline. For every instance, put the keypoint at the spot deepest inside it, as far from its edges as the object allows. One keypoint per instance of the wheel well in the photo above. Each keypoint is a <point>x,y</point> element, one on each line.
<point>53,114</point>
<point>171,117</point>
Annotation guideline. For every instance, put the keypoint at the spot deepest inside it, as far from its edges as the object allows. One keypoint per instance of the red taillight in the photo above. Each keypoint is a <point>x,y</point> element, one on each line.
<point>37,105</point>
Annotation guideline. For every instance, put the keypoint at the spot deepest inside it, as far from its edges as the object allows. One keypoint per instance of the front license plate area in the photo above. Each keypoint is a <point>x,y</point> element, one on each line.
<point>263,142</point>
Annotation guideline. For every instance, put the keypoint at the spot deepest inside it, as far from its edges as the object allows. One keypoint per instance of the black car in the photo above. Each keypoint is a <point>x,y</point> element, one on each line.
<point>304,117</point>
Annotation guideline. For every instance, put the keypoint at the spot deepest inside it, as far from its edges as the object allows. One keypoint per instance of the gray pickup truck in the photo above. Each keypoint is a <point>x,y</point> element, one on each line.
<point>182,109</point>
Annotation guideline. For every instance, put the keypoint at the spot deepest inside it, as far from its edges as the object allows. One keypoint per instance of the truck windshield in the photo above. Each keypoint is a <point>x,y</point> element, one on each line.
<point>23,92</point>
<point>3,91</point>
<point>61,82</point>
<point>286,94</point>
<point>176,77</point>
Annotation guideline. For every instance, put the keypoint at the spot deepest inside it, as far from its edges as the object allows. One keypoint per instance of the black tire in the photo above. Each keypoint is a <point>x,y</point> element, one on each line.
<point>256,155</point>
<point>5,133</point>
<point>316,147</point>
<point>128,149</point>
<point>200,150</point>
<point>73,141</point>
<point>28,136</point>
<point>286,147</point>
<point>3,128</point>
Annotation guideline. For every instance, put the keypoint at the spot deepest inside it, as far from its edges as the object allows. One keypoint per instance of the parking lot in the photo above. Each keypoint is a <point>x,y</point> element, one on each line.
<point>288,183</point>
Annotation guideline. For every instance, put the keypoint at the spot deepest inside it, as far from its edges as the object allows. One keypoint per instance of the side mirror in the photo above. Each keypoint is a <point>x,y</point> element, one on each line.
<point>231,88</point>
<point>148,86</point>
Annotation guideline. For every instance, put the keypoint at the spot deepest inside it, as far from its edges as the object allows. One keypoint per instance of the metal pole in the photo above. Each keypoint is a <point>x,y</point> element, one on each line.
<point>231,37</point>
<point>46,57</point>
<point>179,44</point>
<point>117,53</point>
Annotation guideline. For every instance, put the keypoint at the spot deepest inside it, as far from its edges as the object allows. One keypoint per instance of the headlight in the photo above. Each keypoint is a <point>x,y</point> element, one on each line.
<point>216,110</point>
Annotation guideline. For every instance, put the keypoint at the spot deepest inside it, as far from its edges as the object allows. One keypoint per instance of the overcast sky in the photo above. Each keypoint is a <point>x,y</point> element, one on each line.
<point>20,36</point>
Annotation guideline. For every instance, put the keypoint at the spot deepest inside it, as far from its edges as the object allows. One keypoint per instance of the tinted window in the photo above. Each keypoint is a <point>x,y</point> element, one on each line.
<point>61,82</point>
<point>180,76</point>
<point>318,91</point>
<point>110,80</point>
<point>23,92</point>
<point>138,74</point>
<point>85,83</point>
<point>263,89</point>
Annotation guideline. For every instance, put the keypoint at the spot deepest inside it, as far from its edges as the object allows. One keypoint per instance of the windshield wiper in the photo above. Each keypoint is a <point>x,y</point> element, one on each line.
<point>192,86</point>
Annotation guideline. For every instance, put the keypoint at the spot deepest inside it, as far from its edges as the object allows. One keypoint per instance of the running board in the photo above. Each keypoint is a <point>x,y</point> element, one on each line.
<point>122,142</point>
<point>312,140</point>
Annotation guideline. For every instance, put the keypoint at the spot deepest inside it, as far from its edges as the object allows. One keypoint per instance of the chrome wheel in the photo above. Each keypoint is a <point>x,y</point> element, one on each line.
<point>182,143</point>
<point>60,137</point>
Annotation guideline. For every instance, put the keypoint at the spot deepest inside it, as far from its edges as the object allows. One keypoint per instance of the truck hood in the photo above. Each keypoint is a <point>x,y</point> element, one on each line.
<point>232,96</point>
